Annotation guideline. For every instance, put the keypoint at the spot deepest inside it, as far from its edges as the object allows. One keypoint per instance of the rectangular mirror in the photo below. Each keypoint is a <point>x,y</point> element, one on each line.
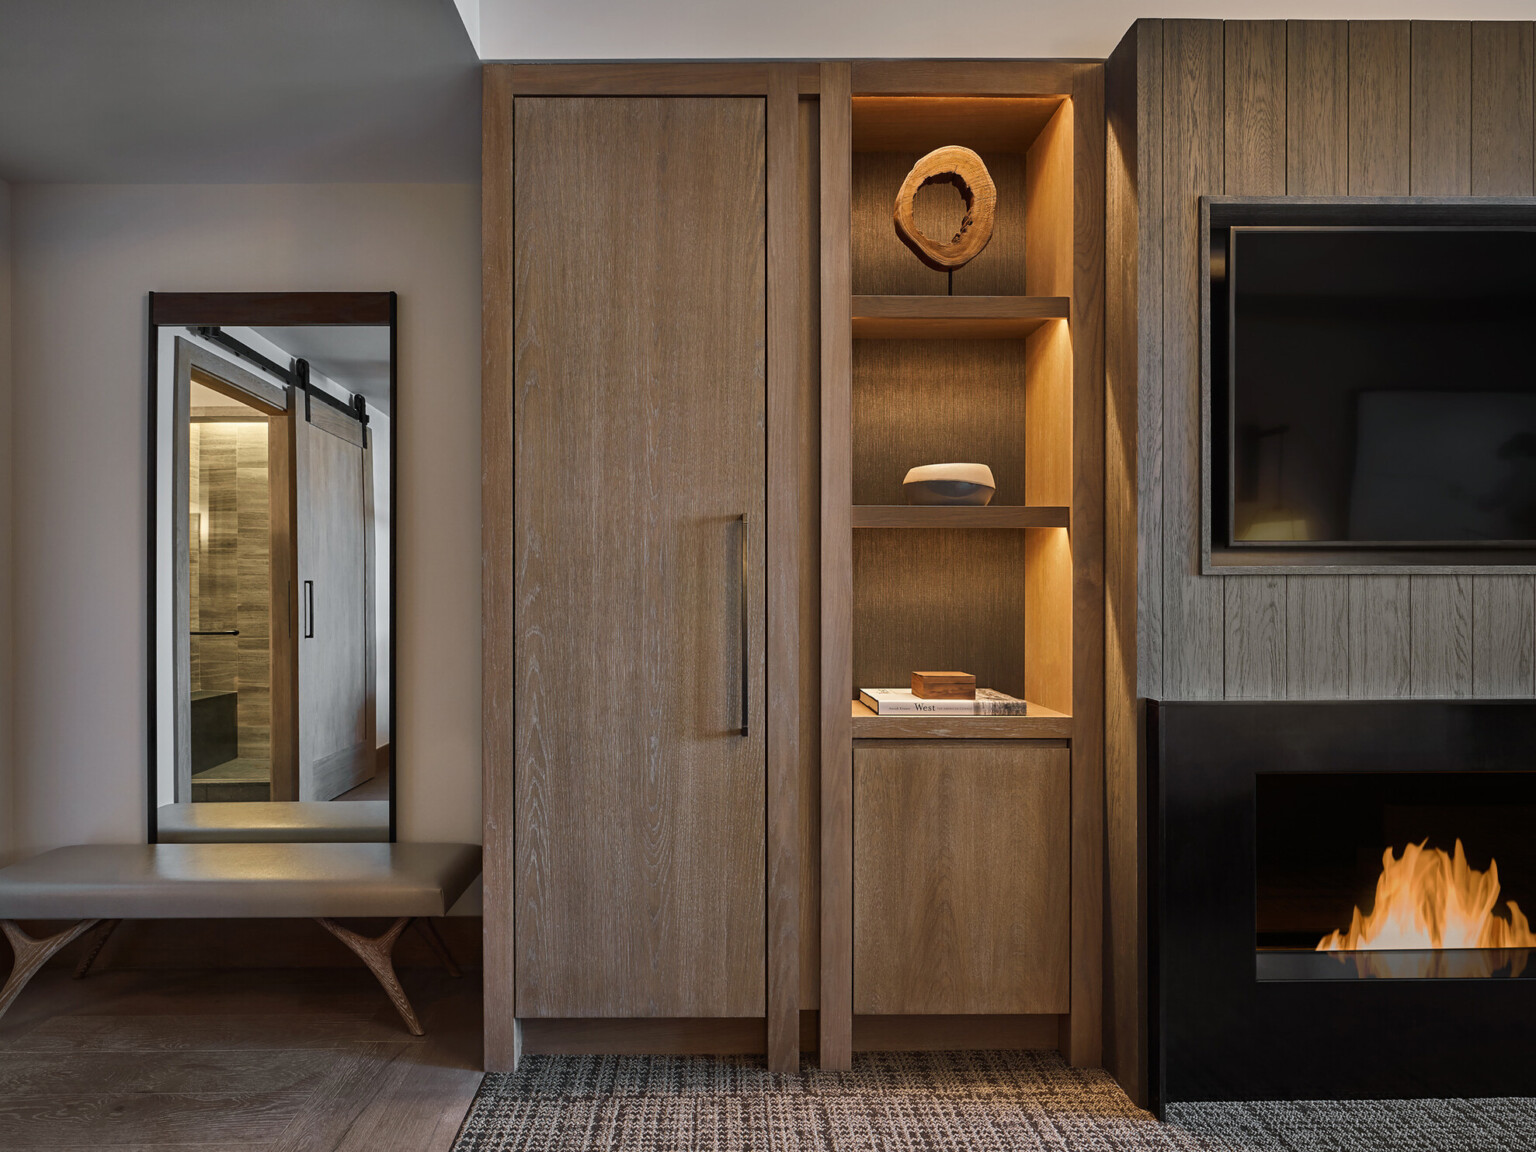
<point>271,607</point>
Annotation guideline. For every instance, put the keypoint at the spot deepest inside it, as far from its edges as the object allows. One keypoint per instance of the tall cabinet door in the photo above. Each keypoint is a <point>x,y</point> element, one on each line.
<point>640,485</point>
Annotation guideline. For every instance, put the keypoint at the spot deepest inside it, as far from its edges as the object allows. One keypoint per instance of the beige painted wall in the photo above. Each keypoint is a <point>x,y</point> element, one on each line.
<point>7,789</point>
<point>84,257</point>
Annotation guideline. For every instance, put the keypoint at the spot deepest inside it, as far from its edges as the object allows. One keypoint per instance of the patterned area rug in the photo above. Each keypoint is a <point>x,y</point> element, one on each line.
<point>933,1102</point>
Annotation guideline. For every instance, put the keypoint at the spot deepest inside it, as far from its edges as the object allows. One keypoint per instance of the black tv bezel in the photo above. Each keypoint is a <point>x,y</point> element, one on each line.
<point>1221,269</point>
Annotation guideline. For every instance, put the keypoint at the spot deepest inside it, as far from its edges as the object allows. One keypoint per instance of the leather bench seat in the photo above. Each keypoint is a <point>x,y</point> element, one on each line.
<point>273,822</point>
<point>102,884</point>
<point>166,881</point>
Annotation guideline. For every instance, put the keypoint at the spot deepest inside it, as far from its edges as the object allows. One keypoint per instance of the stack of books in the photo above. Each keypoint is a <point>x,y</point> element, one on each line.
<point>902,702</point>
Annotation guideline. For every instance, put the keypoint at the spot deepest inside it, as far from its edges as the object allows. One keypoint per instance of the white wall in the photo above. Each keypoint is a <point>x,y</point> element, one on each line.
<point>7,789</point>
<point>84,257</point>
<point>851,29</point>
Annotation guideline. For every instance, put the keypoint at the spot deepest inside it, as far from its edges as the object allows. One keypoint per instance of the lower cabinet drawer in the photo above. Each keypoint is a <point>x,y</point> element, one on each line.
<point>961,878</point>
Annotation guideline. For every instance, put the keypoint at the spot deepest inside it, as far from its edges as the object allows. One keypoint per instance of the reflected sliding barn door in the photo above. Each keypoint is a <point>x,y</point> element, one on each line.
<point>639,429</point>
<point>336,651</point>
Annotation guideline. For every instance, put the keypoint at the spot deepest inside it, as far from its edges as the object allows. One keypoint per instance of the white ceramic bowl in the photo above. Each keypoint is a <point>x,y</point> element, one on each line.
<point>949,484</point>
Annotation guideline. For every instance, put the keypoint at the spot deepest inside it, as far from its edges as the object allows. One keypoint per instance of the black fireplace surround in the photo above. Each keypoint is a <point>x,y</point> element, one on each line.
<point>1269,821</point>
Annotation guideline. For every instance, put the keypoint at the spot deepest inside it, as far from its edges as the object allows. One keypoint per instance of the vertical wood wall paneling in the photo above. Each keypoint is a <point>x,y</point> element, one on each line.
<point>1379,616</point>
<point>1254,165</point>
<point>1378,108</point>
<point>1085,1039</point>
<point>1440,628</point>
<point>1503,163</point>
<point>1503,109</point>
<point>1317,108</point>
<point>1317,164</point>
<point>836,1016</point>
<point>783,616</point>
<point>808,488</point>
<point>1440,108</point>
<point>1147,309</point>
<point>498,738</point>
<point>1440,151</point>
<point>1193,127</point>
<point>1503,633</point>
<point>1132,75</point>
<point>1317,637</point>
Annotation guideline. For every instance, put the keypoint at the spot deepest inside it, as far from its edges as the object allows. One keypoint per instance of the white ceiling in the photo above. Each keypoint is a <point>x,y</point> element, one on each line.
<point>237,91</point>
<point>854,29</point>
<point>356,358</point>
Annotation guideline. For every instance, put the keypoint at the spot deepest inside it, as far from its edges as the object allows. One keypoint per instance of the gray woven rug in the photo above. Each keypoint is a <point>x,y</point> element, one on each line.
<point>933,1102</point>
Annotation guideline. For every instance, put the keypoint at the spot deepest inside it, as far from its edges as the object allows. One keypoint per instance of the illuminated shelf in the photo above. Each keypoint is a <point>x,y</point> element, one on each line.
<point>954,317</point>
<point>958,516</point>
<point>1041,724</point>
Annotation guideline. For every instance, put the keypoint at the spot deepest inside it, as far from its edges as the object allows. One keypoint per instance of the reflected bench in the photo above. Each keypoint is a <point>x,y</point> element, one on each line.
<point>100,885</point>
<point>272,821</point>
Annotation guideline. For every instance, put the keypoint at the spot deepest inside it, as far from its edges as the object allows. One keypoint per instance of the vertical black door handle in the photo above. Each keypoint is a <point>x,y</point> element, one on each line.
<point>309,609</point>
<point>746,650</point>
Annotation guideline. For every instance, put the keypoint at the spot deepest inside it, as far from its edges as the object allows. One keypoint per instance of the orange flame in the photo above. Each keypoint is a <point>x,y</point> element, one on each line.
<point>1428,899</point>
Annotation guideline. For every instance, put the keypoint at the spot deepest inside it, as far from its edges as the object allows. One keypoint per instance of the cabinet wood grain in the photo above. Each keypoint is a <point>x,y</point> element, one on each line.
<point>497,560</point>
<point>962,871</point>
<point>835,1022</point>
<point>639,440</point>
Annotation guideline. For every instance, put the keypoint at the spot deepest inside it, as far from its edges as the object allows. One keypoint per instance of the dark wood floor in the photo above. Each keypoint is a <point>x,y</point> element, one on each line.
<point>267,1060</point>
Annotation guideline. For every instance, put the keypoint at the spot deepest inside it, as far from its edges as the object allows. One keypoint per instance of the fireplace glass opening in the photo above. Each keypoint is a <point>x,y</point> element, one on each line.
<point>1417,876</point>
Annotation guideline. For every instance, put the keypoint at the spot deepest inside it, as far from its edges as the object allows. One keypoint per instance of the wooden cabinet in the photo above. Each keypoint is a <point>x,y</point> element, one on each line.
<point>696,309</point>
<point>961,856</point>
<point>962,878</point>
<point>639,411</point>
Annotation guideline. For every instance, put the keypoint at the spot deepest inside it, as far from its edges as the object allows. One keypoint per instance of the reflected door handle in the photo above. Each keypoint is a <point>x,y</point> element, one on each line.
<point>309,609</point>
<point>746,642</point>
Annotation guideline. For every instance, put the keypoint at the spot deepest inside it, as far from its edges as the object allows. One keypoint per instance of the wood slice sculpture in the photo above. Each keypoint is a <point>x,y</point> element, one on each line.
<point>961,167</point>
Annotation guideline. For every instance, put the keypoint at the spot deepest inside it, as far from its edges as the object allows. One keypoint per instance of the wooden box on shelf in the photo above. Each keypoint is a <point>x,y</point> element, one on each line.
<point>943,685</point>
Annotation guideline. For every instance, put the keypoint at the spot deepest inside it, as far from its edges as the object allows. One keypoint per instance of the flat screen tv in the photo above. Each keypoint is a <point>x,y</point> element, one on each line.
<point>1373,387</point>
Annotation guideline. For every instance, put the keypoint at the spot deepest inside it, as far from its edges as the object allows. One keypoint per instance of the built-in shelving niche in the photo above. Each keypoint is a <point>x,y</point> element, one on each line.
<point>1026,143</point>
<point>982,375</point>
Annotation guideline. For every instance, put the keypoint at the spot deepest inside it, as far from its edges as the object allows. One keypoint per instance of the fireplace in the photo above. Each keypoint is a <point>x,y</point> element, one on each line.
<point>1339,899</point>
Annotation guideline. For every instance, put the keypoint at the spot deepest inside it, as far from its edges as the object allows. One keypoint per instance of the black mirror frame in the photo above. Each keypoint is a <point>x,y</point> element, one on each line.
<point>231,309</point>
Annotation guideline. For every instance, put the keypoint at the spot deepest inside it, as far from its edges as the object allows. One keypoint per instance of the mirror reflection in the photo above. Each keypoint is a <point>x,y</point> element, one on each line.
<point>273,643</point>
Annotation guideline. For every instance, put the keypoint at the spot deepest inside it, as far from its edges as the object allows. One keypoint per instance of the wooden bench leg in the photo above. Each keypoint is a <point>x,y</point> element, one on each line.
<point>31,955</point>
<point>104,932</point>
<point>376,953</point>
<point>428,932</point>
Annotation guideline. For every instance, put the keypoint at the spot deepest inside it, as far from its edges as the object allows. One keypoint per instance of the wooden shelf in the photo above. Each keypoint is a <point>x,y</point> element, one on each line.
<point>958,516</point>
<point>1040,724</point>
<point>954,317</point>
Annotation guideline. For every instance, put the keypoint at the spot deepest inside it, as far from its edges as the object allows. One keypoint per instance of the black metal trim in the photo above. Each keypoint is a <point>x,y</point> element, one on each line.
<point>296,376</point>
<point>1227,215</point>
<point>394,536</point>
<point>224,340</point>
<point>1217,1031</point>
<point>183,310</point>
<point>152,567</point>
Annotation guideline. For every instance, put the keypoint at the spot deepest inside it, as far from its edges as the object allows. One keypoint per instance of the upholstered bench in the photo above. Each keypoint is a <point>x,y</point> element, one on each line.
<point>100,885</point>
